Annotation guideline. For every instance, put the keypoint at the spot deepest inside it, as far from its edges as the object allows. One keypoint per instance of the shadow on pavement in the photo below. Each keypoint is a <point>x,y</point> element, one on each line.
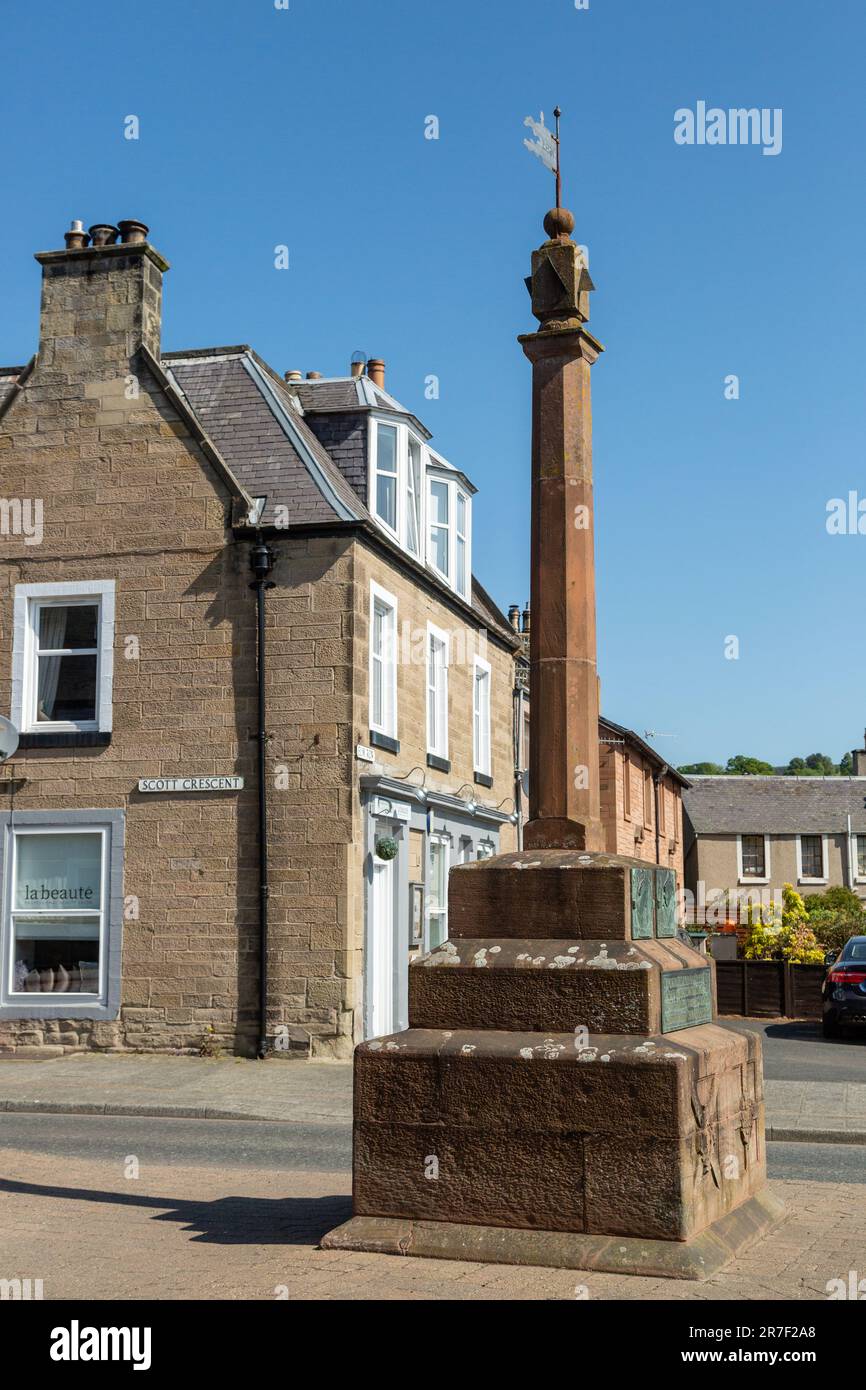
<point>226,1221</point>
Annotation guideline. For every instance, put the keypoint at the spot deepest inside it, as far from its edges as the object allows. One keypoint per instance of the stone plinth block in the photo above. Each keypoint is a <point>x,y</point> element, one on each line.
<point>559,986</point>
<point>559,895</point>
<point>698,1258</point>
<point>631,1135</point>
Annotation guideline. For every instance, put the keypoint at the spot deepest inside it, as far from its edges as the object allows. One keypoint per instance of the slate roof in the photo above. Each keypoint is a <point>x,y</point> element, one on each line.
<point>268,445</point>
<point>256,423</point>
<point>775,805</point>
<point>8,379</point>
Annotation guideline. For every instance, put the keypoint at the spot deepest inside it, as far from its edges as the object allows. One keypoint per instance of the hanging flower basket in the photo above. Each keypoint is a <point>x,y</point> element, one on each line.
<point>387,847</point>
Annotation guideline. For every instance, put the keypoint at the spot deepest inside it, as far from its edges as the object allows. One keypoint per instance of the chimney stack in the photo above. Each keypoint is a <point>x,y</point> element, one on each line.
<point>376,372</point>
<point>514,616</point>
<point>314,376</point>
<point>294,376</point>
<point>859,759</point>
<point>100,302</point>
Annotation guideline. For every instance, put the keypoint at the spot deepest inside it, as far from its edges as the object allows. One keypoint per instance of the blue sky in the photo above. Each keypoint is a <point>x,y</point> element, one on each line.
<point>305,127</point>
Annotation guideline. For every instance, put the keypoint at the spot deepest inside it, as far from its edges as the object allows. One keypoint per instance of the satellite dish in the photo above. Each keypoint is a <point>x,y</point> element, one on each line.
<point>8,739</point>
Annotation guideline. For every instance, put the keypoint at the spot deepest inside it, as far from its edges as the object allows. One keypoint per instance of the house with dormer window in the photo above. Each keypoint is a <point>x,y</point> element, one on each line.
<point>262,704</point>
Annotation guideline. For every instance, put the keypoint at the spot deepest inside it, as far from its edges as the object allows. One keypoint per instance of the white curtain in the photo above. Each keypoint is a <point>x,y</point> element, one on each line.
<point>52,633</point>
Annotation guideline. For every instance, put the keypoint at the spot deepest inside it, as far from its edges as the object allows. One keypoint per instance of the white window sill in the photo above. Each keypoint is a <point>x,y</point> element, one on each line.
<point>744,882</point>
<point>811,882</point>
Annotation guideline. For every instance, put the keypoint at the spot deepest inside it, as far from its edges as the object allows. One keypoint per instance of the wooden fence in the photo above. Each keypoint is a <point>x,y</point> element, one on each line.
<point>769,988</point>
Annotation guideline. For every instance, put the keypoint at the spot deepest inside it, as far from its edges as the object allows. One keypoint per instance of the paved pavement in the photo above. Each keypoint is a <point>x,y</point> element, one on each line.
<point>191,1087</point>
<point>231,1088</point>
<point>95,1228</point>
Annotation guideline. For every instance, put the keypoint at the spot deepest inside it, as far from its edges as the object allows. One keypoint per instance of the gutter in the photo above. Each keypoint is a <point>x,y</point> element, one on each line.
<point>261,563</point>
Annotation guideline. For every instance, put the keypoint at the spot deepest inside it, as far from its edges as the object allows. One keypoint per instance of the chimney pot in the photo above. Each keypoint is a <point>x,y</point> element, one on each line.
<point>133,233</point>
<point>314,376</point>
<point>526,619</point>
<point>357,369</point>
<point>76,238</point>
<point>103,234</point>
<point>294,376</point>
<point>376,372</point>
<point>514,617</point>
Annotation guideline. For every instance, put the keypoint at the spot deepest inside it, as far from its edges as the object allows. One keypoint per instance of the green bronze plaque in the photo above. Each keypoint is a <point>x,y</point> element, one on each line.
<point>687,998</point>
<point>666,903</point>
<point>641,904</point>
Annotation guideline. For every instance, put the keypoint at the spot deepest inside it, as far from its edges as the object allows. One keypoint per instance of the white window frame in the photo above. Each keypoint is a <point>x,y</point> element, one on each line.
<point>437,472</point>
<point>753,878</point>
<point>29,599</point>
<point>437,695</point>
<point>408,490</point>
<point>376,425</point>
<point>105,1004</point>
<point>443,839</point>
<point>388,725</point>
<point>399,532</point>
<point>856,837</point>
<point>482,752</point>
<point>801,877</point>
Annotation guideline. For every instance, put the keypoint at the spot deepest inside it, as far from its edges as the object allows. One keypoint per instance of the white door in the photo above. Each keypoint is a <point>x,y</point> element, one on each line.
<point>382,948</point>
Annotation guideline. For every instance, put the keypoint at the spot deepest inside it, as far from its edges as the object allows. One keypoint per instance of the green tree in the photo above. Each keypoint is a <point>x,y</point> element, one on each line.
<point>702,769</point>
<point>741,766</point>
<point>846,765</point>
<point>821,764</point>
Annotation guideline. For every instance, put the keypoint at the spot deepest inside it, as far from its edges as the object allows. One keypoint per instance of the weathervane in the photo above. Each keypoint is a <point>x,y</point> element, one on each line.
<point>546,147</point>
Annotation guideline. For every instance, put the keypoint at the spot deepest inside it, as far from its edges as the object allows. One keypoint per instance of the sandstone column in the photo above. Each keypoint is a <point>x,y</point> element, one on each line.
<point>564,795</point>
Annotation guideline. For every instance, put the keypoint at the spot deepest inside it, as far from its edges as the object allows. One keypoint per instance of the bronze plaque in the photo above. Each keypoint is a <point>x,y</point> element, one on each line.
<point>641,904</point>
<point>687,998</point>
<point>666,903</point>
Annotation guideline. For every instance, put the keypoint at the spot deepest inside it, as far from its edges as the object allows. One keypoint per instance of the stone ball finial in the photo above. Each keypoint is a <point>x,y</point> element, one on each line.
<point>559,222</point>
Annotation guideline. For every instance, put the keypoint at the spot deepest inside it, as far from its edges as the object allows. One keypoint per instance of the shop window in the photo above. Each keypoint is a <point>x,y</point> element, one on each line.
<point>62,920</point>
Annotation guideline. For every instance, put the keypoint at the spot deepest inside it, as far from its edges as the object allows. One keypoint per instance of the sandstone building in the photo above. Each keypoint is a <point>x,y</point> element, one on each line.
<point>139,489</point>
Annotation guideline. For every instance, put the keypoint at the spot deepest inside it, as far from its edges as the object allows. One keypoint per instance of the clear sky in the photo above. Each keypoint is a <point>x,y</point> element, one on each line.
<point>305,127</point>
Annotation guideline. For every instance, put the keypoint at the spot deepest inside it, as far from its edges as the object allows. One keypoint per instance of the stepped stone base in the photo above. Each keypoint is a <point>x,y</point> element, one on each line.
<point>564,1094</point>
<point>698,1258</point>
<point>629,1135</point>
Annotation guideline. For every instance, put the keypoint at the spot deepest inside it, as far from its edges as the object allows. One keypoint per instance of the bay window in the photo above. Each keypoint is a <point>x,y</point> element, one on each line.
<point>437,692</point>
<point>481,716</point>
<point>440,547</point>
<point>62,917</point>
<point>422,502</point>
<point>386,475</point>
<point>449,508</point>
<point>383,662</point>
<point>413,497</point>
<point>62,657</point>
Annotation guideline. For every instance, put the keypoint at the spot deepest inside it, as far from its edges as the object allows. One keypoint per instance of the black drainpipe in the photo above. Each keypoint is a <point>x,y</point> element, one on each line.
<point>657,777</point>
<point>261,563</point>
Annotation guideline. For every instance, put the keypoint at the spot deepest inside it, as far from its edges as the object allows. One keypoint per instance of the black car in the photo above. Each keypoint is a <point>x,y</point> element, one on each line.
<point>844,991</point>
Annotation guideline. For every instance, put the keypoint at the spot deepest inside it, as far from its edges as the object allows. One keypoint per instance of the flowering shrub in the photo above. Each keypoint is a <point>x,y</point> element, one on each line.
<point>785,935</point>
